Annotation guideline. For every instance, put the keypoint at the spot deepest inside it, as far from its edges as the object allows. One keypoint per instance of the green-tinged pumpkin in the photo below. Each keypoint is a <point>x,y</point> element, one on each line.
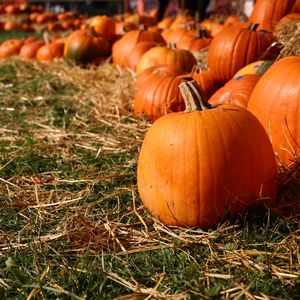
<point>196,167</point>
<point>83,47</point>
<point>275,101</point>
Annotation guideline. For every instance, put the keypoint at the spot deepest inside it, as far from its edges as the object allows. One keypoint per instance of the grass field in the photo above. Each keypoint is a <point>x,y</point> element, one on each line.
<point>72,225</point>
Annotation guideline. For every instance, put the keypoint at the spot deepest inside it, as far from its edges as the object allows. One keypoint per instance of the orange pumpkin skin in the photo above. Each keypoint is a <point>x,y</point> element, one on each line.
<point>205,80</point>
<point>190,175</point>
<point>236,91</point>
<point>137,53</point>
<point>103,25</point>
<point>29,50</point>
<point>251,68</point>
<point>10,47</point>
<point>268,12</point>
<point>157,92</point>
<point>275,101</point>
<point>157,56</point>
<point>234,48</point>
<point>122,49</point>
<point>193,42</point>
<point>50,51</point>
<point>83,47</point>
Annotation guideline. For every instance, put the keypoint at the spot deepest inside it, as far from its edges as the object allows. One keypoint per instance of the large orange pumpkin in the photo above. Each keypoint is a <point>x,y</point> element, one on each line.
<point>275,101</point>
<point>268,12</point>
<point>195,167</point>
<point>234,48</point>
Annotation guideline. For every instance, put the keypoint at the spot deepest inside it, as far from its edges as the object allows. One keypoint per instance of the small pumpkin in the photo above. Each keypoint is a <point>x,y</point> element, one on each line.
<point>138,52</point>
<point>236,91</point>
<point>103,25</point>
<point>257,67</point>
<point>170,55</point>
<point>157,92</point>
<point>122,49</point>
<point>83,47</point>
<point>195,167</point>
<point>194,42</point>
<point>10,47</point>
<point>51,51</point>
<point>205,80</point>
<point>29,50</point>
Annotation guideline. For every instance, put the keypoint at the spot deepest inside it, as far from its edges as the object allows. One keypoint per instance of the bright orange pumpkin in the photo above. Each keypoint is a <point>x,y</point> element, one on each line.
<point>103,25</point>
<point>10,47</point>
<point>234,48</point>
<point>275,101</point>
<point>268,12</point>
<point>196,167</point>
<point>236,91</point>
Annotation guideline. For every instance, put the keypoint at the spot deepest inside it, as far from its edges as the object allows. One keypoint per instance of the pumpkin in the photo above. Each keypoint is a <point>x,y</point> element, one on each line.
<point>159,55</point>
<point>83,47</point>
<point>11,25</point>
<point>195,167</point>
<point>51,51</point>
<point>194,42</point>
<point>268,12</point>
<point>257,67</point>
<point>175,35</point>
<point>205,80</point>
<point>157,92</point>
<point>236,91</point>
<point>103,25</point>
<point>137,53</point>
<point>234,48</point>
<point>122,49</point>
<point>275,101</point>
<point>29,50</point>
<point>10,47</point>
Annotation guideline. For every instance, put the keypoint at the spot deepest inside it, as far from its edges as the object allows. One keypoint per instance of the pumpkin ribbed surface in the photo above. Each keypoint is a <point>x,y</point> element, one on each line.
<point>195,167</point>
<point>275,101</point>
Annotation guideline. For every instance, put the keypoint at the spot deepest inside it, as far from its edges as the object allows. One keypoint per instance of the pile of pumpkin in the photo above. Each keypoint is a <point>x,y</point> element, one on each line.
<point>219,135</point>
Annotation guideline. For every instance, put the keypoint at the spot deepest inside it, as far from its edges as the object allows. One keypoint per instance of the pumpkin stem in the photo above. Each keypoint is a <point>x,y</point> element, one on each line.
<point>143,27</point>
<point>171,45</point>
<point>253,26</point>
<point>193,96</point>
<point>46,37</point>
<point>264,67</point>
<point>201,33</point>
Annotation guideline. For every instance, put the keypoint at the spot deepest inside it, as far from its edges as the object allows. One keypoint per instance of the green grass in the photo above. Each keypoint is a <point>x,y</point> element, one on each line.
<point>72,225</point>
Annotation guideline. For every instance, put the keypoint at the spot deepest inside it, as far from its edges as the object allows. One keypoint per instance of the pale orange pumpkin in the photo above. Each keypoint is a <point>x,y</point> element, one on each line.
<point>159,55</point>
